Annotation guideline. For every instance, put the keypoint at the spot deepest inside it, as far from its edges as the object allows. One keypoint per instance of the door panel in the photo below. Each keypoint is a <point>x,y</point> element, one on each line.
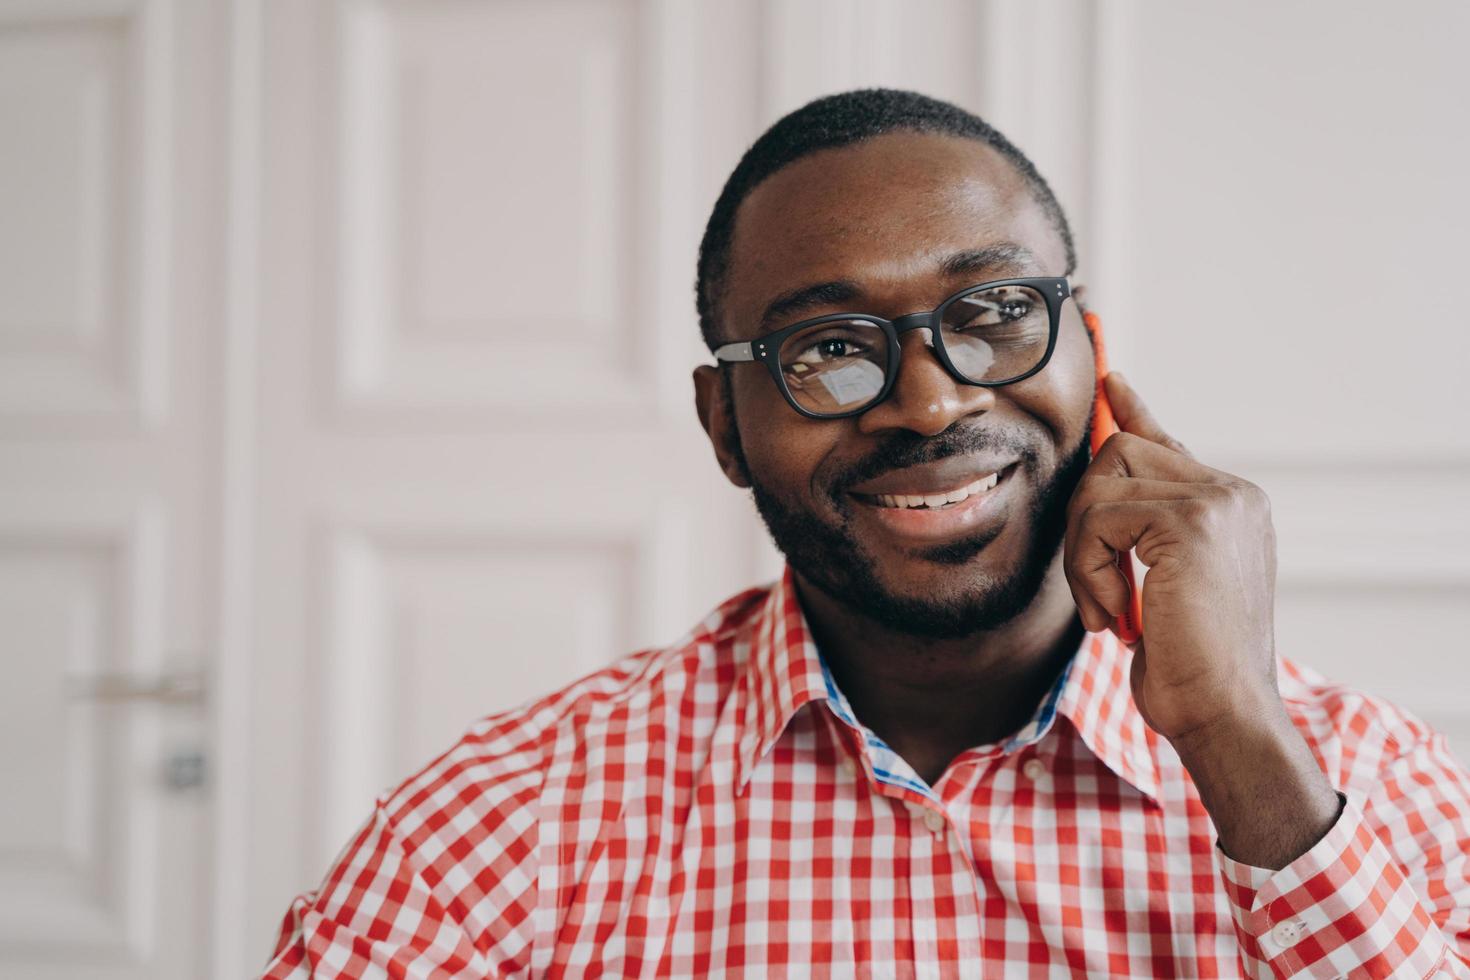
<point>481,475</point>
<point>105,473</point>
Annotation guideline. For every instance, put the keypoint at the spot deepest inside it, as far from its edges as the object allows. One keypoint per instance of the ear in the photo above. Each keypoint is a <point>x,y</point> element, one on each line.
<point>1079,299</point>
<point>1079,296</point>
<point>718,422</point>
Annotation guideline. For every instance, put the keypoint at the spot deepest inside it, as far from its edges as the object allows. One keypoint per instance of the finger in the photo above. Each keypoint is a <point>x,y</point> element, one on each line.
<point>1094,490</point>
<point>1132,415</point>
<point>1093,561</point>
<point>1096,616</point>
<point>1093,615</point>
<point>1095,487</point>
<point>1130,454</point>
<point>1098,586</point>
<point>1109,527</point>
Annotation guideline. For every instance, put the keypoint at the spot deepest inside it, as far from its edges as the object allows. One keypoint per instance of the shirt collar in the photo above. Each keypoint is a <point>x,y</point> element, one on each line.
<point>784,671</point>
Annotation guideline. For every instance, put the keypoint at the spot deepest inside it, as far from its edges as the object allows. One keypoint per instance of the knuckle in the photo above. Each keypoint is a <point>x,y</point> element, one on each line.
<point>1201,513</point>
<point>1116,443</point>
<point>1081,498</point>
<point>1256,497</point>
<point>1075,501</point>
<point>1111,455</point>
<point>1071,537</point>
<point>1248,501</point>
<point>1070,570</point>
<point>1072,567</point>
<point>1076,536</point>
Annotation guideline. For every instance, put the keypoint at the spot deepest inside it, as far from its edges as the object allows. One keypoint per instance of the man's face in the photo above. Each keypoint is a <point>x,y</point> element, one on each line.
<point>884,216</point>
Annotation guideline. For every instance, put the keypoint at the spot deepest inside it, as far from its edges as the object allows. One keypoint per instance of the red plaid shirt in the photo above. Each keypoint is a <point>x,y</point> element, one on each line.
<point>714,807</point>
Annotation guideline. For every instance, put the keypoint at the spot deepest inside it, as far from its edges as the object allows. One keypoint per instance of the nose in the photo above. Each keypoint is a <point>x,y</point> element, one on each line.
<point>925,398</point>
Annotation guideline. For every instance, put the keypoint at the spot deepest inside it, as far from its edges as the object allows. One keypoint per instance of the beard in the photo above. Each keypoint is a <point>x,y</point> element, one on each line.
<point>831,558</point>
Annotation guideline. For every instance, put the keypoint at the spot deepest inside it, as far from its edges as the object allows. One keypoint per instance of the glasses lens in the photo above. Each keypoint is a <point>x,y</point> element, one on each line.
<point>998,333</point>
<point>835,367</point>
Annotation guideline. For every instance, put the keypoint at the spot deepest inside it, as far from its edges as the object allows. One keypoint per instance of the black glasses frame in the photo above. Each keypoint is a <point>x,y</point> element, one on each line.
<point>1055,289</point>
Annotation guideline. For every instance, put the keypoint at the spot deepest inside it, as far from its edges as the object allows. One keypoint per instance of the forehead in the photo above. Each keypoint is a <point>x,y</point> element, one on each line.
<point>883,214</point>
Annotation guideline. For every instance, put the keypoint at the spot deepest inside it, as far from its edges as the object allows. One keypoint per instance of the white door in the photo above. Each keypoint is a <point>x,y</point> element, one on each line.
<point>480,471</point>
<point>106,552</point>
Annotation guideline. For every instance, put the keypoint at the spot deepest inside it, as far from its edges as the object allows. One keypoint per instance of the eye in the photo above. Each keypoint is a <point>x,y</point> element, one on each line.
<point>1014,309</point>
<point>822,347</point>
<point>993,308</point>
<point>828,349</point>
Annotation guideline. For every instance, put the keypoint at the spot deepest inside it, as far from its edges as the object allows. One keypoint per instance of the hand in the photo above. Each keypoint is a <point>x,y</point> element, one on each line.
<point>1208,657</point>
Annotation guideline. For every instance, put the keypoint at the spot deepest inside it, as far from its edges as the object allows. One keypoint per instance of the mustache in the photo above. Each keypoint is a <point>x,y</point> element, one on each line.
<point>906,448</point>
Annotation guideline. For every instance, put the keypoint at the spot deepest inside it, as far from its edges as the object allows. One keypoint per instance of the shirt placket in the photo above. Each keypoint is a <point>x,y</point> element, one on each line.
<point>944,900</point>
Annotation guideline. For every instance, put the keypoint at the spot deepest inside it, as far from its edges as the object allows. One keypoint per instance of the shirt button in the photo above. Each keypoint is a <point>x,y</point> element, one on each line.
<point>934,821</point>
<point>848,767</point>
<point>1034,769</point>
<point>1287,933</point>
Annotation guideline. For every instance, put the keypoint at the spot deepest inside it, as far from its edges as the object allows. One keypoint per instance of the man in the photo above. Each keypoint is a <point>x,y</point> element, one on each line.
<point>924,751</point>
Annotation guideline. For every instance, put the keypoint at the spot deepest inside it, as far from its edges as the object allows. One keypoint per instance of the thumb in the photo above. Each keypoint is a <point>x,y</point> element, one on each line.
<point>1132,415</point>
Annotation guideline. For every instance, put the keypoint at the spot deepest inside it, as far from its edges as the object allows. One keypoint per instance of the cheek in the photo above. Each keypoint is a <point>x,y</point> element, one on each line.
<point>1076,375</point>
<point>783,449</point>
<point>1061,395</point>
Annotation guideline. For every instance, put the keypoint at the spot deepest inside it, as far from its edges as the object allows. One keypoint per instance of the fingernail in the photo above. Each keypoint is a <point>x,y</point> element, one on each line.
<point>1120,376</point>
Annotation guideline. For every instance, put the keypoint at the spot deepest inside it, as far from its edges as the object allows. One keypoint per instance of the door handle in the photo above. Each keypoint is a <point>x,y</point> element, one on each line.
<point>169,687</point>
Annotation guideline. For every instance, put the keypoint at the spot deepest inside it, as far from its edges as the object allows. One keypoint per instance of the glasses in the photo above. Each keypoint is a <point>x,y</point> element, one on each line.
<point>835,366</point>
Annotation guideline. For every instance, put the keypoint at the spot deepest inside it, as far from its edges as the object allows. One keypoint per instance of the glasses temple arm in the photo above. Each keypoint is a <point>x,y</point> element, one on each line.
<point>734,352</point>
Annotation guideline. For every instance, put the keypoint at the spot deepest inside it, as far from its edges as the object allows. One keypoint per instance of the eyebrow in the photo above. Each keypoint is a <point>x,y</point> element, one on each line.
<point>1005,255</point>
<point>973,261</point>
<point>787,305</point>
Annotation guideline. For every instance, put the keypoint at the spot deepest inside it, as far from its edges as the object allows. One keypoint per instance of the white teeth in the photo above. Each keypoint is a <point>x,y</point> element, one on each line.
<point>938,499</point>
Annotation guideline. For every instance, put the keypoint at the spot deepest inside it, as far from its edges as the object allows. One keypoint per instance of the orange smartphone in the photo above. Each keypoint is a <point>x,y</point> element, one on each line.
<point>1129,626</point>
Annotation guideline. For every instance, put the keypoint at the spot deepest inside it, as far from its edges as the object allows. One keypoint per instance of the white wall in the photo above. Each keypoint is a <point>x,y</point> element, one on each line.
<point>270,409</point>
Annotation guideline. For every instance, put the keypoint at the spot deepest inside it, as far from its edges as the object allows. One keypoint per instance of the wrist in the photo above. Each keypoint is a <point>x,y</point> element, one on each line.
<point>1259,781</point>
<point>1250,716</point>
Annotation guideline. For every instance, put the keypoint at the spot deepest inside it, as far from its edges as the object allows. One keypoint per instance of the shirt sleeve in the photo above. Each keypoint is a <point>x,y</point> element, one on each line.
<point>1386,893</point>
<point>374,916</point>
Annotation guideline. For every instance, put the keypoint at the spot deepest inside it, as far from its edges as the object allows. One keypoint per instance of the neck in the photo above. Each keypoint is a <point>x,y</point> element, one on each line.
<point>932,699</point>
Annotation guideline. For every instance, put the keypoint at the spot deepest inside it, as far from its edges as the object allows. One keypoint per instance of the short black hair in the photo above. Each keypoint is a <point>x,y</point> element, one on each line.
<point>840,120</point>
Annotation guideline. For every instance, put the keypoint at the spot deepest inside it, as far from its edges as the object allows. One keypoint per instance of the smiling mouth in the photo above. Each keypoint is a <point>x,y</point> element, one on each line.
<point>935,501</point>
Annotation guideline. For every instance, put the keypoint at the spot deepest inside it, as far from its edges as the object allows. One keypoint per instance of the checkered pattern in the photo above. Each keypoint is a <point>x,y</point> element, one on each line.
<point>714,807</point>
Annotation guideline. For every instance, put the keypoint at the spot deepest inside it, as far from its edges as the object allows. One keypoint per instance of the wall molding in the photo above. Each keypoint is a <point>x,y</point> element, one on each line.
<point>127,536</point>
<point>117,381</point>
<point>381,366</point>
<point>234,719</point>
<point>357,552</point>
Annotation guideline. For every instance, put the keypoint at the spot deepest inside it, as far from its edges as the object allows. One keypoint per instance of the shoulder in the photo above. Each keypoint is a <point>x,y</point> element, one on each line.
<point>467,852</point>
<point>1354,733</point>
<point>513,771</point>
<point>509,811</point>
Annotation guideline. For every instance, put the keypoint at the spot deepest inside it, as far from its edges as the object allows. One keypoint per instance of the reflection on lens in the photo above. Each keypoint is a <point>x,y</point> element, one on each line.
<point>973,360</point>
<point>998,333</point>
<point>835,367</point>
